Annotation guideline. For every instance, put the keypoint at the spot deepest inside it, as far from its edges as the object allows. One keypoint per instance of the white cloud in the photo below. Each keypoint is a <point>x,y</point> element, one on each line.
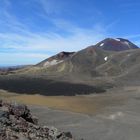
<point>52,42</point>
<point>12,59</point>
<point>31,47</point>
<point>52,6</point>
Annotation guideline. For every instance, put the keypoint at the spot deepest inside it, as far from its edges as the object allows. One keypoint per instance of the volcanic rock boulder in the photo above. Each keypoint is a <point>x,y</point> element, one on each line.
<point>17,123</point>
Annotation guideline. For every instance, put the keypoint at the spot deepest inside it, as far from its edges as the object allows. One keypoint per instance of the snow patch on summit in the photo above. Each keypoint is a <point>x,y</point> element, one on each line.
<point>101,44</point>
<point>127,43</point>
<point>106,58</point>
<point>117,39</point>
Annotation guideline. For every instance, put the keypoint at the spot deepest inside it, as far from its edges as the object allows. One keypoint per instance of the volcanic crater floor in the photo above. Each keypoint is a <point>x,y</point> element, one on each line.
<point>114,115</point>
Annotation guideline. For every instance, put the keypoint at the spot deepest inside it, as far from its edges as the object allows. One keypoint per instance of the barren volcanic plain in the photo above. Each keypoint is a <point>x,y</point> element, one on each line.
<point>94,93</point>
<point>112,115</point>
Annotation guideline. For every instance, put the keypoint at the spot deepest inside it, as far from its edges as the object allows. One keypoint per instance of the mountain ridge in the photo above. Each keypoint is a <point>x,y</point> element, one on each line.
<point>91,70</point>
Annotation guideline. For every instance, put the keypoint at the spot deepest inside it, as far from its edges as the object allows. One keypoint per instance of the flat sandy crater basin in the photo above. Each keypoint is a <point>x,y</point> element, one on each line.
<point>79,104</point>
<point>114,115</point>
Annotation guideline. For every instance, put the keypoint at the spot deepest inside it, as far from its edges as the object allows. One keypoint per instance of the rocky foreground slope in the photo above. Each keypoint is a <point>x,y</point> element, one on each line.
<point>17,123</point>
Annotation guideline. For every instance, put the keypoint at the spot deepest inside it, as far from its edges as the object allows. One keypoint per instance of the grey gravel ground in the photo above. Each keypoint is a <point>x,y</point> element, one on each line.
<point>120,122</point>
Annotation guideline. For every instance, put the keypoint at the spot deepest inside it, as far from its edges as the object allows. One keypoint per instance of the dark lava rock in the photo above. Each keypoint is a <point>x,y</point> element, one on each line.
<point>17,123</point>
<point>0,103</point>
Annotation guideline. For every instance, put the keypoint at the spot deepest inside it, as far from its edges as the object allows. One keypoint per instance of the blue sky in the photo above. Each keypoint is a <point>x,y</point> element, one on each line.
<point>32,30</point>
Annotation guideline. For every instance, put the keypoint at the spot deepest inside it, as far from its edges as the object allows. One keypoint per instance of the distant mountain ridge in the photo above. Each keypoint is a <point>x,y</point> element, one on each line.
<point>10,69</point>
<point>110,63</point>
<point>108,44</point>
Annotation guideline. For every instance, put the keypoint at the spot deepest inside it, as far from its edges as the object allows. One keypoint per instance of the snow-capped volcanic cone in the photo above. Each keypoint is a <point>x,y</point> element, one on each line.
<point>118,44</point>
